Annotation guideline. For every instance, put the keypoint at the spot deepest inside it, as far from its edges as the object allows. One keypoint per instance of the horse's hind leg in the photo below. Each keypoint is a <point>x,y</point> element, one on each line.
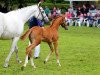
<point>16,51</point>
<point>56,52</point>
<point>52,50</point>
<point>15,40</point>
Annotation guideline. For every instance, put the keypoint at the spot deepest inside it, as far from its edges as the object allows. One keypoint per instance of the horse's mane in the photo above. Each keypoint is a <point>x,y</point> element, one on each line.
<point>21,8</point>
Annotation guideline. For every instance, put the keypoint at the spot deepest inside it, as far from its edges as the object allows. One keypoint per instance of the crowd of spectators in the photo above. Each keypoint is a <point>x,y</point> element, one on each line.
<point>88,16</point>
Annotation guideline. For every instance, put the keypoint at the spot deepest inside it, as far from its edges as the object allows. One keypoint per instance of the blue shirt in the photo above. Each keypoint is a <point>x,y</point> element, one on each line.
<point>90,17</point>
<point>35,22</point>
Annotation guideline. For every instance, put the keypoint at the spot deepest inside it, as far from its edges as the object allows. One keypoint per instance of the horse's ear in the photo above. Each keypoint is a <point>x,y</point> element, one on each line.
<point>39,3</point>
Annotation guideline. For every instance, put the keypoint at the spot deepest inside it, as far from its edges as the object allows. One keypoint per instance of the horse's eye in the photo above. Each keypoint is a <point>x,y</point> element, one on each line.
<point>42,12</point>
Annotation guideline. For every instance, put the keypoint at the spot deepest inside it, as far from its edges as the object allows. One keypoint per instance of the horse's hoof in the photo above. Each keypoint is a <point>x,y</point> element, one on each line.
<point>19,62</point>
<point>5,65</point>
<point>22,68</point>
<point>44,62</point>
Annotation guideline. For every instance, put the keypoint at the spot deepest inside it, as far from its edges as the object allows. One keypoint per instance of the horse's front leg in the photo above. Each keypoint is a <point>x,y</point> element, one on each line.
<point>56,52</point>
<point>51,51</point>
<point>15,40</point>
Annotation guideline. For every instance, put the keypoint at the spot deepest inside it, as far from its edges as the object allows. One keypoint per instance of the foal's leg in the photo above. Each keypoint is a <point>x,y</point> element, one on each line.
<point>52,50</point>
<point>29,52</point>
<point>32,63</point>
<point>15,40</point>
<point>31,59</point>
<point>56,52</point>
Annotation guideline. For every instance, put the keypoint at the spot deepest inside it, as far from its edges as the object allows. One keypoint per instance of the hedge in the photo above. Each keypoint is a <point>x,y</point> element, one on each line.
<point>51,5</point>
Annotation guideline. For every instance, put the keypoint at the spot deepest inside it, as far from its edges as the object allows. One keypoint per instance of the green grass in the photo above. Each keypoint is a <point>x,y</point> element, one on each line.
<point>79,50</point>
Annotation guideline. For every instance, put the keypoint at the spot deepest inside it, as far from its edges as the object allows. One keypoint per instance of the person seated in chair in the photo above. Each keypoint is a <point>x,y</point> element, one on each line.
<point>97,17</point>
<point>80,20</point>
<point>68,18</point>
<point>90,20</point>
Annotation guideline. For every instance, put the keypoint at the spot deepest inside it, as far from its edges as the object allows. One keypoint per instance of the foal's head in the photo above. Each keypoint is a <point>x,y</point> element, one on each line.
<point>64,24</point>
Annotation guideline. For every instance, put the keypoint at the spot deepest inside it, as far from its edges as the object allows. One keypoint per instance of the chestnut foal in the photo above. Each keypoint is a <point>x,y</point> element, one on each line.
<point>46,34</point>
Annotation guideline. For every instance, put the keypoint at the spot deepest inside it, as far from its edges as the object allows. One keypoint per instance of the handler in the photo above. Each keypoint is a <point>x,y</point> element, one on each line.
<point>35,22</point>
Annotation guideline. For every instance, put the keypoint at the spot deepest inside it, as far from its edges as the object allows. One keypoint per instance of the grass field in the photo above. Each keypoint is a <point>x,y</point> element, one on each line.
<point>79,50</point>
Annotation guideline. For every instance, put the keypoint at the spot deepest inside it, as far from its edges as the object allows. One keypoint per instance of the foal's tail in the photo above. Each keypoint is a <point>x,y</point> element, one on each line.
<point>26,34</point>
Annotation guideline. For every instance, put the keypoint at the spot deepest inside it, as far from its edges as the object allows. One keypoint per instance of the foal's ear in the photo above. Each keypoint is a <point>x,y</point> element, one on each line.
<point>63,15</point>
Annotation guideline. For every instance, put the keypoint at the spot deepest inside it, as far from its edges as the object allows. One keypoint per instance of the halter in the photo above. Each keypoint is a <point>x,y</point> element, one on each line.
<point>40,13</point>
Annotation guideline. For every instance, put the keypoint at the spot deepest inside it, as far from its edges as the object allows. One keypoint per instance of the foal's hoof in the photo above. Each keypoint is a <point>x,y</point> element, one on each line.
<point>22,68</point>
<point>59,65</point>
<point>34,67</point>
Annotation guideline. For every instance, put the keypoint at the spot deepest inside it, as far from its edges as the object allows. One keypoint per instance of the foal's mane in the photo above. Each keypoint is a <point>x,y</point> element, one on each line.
<point>55,19</point>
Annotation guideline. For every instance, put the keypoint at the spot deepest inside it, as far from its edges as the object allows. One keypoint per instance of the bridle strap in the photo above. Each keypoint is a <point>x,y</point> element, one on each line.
<point>41,13</point>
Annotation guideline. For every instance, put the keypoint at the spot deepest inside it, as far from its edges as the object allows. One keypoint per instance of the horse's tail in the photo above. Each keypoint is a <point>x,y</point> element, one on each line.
<point>26,34</point>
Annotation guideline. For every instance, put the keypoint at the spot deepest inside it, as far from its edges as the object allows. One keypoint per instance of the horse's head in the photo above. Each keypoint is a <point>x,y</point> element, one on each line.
<point>64,24</point>
<point>40,14</point>
<point>44,16</point>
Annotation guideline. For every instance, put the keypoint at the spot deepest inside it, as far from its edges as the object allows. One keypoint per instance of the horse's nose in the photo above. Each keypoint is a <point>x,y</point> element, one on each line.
<point>47,20</point>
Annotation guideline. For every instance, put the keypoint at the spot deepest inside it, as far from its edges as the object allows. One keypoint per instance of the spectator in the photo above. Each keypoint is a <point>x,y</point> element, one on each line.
<point>47,11</point>
<point>92,7</point>
<point>63,10</point>
<point>70,10</point>
<point>84,10</point>
<point>53,13</point>
<point>97,18</point>
<point>78,11</point>
<point>68,17</point>
<point>80,20</point>
<point>58,11</point>
<point>85,19</point>
<point>90,20</point>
